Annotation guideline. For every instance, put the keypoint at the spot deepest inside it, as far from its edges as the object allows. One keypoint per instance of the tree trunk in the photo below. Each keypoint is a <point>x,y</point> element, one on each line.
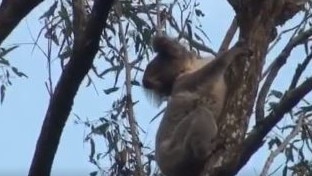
<point>84,51</point>
<point>257,21</point>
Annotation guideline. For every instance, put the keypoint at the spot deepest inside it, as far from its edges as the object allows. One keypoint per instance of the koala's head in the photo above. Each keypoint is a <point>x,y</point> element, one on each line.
<point>171,61</point>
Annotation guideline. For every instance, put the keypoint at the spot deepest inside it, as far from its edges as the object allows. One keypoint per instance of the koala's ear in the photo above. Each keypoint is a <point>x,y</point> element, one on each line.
<point>168,47</point>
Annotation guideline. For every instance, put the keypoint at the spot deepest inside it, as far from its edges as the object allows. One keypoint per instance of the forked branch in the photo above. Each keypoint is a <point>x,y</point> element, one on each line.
<point>255,140</point>
<point>278,63</point>
<point>282,146</point>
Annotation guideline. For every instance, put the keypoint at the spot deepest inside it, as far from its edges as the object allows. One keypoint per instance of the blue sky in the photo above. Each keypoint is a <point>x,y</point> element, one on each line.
<point>25,104</point>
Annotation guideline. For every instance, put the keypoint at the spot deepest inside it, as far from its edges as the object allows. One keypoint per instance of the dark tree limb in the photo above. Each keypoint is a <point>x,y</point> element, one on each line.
<point>255,140</point>
<point>79,18</point>
<point>228,36</point>
<point>81,60</point>
<point>12,12</point>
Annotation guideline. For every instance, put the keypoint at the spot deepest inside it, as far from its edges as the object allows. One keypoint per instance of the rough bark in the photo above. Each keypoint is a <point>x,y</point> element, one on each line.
<point>84,50</point>
<point>257,21</point>
<point>12,12</point>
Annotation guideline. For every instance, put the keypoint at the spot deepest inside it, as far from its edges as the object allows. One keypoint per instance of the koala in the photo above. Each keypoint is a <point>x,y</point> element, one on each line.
<point>197,91</point>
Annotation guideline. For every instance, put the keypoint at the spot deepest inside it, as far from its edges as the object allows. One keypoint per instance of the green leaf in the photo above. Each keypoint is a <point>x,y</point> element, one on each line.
<point>2,93</point>
<point>4,62</point>
<point>189,29</point>
<point>65,54</point>
<point>199,13</point>
<point>274,141</point>
<point>101,129</point>
<point>111,90</point>
<point>18,73</point>
<point>276,93</point>
<point>92,149</point>
<point>55,39</point>
<point>50,11</point>
<point>66,18</point>
<point>135,83</point>
<point>272,105</point>
<point>116,68</point>
<point>289,154</point>
<point>285,171</point>
<point>137,43</point>
<point>306,108</point>
<point>5,51</point>
<point>94,173</point>
<point>197,37</point>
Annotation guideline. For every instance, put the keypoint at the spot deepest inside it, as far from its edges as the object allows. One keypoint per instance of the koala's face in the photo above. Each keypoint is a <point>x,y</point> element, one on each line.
<point>161,73</point>
<point>171,61</point>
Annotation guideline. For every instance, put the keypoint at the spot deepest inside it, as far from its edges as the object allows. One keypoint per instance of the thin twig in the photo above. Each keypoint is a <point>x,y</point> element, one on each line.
<point>129,104</point>
<point>301,67</point>
<point>228,37</point>
<point>282,146</point>
<point>184,35</point>
<point>50,84</point>
<point>296,29</point>
<point>149,15</point>
<point>158,27</point>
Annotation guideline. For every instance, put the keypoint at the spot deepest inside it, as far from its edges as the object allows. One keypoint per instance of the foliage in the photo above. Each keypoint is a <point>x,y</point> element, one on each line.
<point>122,56</point>
<point>133,25</point>
<point>7,71</point>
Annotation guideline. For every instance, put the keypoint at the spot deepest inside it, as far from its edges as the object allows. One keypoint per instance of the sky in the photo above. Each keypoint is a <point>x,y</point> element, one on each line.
<point>26,101</point>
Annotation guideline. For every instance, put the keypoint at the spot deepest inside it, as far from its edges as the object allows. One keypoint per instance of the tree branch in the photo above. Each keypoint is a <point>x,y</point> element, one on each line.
<point>12,12</point>
<point>255,140</point>
<point>129,103</point>
<point>228,37</point>
<point>195,44</point>
<point>278,63</point>
<point>282,146</point>
<point>299,71</point>
<point>146,11</point>
<point>256,21</point>
<point>60,105</point>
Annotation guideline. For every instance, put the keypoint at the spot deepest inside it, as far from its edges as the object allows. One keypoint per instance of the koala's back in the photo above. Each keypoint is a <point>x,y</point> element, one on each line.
<point>197,86</point>
<point>173,153</point>
<point>192,98</point>
<point>197,90</point>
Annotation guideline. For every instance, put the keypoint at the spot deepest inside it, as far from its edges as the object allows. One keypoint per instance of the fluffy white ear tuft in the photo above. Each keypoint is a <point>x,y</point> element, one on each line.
<point>154,98</point>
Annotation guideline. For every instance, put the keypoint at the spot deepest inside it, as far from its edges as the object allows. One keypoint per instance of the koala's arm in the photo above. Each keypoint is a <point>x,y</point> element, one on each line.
<point>186,133</point>
<point>220,64</point>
